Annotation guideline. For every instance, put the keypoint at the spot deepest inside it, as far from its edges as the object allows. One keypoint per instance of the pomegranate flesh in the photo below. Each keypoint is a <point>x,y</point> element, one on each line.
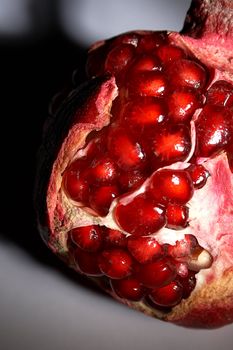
<point>135,182</point>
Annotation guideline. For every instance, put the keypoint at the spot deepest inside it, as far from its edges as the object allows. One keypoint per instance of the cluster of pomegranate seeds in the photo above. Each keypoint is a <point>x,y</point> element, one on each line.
<point>162,93</point>
<point>138,267</point>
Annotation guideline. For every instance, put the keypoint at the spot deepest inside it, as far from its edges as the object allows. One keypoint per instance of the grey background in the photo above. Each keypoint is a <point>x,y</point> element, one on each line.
<point>44,305</point>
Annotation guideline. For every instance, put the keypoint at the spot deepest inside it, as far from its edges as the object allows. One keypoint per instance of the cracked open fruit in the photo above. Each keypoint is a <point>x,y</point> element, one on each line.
<point>135,183</point>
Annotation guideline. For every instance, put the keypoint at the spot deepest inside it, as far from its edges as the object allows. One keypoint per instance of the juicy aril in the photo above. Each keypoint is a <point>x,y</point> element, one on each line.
<point>135,178</point>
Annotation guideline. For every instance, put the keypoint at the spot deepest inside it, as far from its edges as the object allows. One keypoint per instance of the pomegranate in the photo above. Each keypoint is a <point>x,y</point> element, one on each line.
<point>135,175</point>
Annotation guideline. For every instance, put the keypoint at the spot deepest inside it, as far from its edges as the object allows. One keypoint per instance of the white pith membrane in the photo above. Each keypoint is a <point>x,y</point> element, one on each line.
<point>210,215</point>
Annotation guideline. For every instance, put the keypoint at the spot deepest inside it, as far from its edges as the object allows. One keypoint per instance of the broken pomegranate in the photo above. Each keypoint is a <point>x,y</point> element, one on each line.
<point>135,183</point>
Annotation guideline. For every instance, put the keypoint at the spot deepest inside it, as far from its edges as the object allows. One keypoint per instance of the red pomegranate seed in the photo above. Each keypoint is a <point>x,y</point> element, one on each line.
<point>87,262</point>
<point>220,94</point>
<point>74,185</point>
<point>156,274</point>
<point>129,288</point>
<point>96,145</point>
<point>199,175</point>
<point>102,197</point>
<point>88,238</point>
<point>171,186</point>
<point>214,129</point>
<point>118,58</point>
<point>95,61</point>
<point>187,73</point>
<point>150,41</point>
<point>141,217</point>
<point>171,144</point>
<point>144,63</point>
<point>148,83</point>
<point>127,153</point>
<point>114,238</point>
<point>131,180</point>
<point>186,247</point>
<point>168,53</point>
<point>145,112</point>
<point>182,104</point>
<point>126,38</point>
<point>188,283</point>
<point>177,216</point>
<point>167,296</point>
<point>115,263</point>
<point>101,171</point>
<point>144,249</point>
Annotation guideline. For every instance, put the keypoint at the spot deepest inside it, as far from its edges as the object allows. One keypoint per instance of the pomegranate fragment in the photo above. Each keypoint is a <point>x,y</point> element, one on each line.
<point>132,149</point>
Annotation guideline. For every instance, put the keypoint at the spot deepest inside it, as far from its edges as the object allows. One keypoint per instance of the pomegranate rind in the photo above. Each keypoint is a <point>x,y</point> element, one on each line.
<point>208,33</point>
<point>85,109</point>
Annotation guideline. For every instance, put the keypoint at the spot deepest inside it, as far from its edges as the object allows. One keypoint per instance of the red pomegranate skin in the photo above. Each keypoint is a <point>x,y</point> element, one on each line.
<point>201,260</point>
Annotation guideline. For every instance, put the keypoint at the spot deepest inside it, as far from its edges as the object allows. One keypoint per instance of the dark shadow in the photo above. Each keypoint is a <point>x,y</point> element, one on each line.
<point>31,72</point>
